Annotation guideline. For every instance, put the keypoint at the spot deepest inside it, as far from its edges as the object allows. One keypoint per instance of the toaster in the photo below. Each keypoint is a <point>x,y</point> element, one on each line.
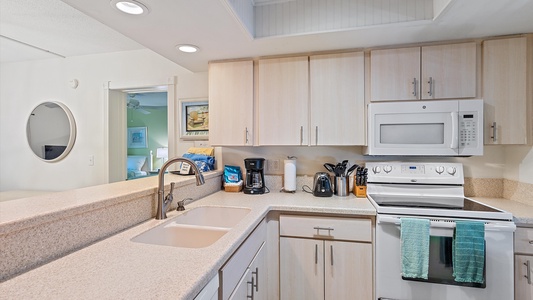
<point>322,185</point>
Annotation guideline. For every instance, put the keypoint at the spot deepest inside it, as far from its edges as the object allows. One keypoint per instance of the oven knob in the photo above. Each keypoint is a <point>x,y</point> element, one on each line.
<point>376,169</point>
<point>451,170</point>
<point>387,169</point>
<point>439,169</point>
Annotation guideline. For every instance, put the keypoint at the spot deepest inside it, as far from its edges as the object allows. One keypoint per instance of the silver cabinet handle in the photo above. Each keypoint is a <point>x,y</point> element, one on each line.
<point>316,135</point>
<point>430,82</point>
<point>494,127</point>
<point>301,135</point>
<point>528,272</point>
<point>531,242</point>
<point>331,250</point>
<point>256,273</point>
<point>316,254</point>
<point>251,283</point>
<point>414,87</point>
<point>318,228</point>
<point>246,136</point>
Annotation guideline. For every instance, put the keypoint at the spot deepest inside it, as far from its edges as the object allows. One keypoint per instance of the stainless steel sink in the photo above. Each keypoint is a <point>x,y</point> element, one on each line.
<point>197,228</point>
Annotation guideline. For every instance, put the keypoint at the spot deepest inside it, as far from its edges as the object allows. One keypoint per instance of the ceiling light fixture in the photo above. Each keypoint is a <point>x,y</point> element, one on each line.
<point>131,7</point>
<point>187,48</point>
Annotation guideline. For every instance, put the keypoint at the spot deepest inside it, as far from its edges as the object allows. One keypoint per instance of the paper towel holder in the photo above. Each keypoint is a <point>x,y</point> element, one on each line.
<point>289,176</point>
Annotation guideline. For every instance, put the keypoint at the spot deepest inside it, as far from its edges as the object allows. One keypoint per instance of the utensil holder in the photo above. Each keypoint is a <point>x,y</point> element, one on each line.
<point>341,187</point>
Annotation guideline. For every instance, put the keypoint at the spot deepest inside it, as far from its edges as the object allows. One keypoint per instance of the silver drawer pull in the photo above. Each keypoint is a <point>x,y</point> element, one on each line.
<point>318,228</point>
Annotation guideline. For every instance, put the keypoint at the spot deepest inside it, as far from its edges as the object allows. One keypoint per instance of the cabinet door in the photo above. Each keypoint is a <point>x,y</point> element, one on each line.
<point>259,274</point>
<point>395,74</point>
<point>337,88</point>
<point>348,270</point>
<point>505,91</point>
<point>449,71</point>
<point>244,289</point>
<point>231,103</point>
<point>301,269</point>
<point>523,289</point>
<point>282,104</point>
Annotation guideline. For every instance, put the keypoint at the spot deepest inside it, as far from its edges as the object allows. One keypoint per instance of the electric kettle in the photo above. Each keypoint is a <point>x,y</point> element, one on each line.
<point>322,185</point>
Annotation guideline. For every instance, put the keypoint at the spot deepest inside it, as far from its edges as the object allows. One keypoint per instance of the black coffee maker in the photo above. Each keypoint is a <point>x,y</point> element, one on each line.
<point>254,182</point>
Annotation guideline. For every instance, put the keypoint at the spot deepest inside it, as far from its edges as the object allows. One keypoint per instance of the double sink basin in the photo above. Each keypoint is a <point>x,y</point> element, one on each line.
<point>196,228</point>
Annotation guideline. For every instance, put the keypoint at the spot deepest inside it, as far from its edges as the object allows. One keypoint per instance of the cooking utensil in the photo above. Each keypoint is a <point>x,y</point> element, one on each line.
<point>339,171</point>
<point>330,167</point>
<point>351,169</point>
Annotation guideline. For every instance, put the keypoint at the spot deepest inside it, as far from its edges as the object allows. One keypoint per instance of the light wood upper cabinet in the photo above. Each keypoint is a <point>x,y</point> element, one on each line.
<point>507,90</point>
<point>429,72</point>
<point>449,71</point>
<point>395,74</point>
<point>282,101</point>
<point>231,88</point>
<point>337,87</point>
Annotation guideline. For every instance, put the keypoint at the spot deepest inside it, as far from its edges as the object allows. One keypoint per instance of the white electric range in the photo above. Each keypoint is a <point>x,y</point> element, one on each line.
<point>435,191</point>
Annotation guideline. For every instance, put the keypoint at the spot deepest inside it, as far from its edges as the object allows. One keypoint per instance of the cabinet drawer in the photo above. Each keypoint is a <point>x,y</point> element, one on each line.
<point>326,228</point>
<point>523,240</point>
<point>237,265</point>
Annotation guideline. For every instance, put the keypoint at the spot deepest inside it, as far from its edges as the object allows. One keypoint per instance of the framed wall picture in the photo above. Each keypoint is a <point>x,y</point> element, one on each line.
<point>194,119</point>
<point>137,137</point>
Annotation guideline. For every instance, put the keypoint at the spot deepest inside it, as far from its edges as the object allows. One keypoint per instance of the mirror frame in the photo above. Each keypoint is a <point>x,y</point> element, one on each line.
<point>72,127</point>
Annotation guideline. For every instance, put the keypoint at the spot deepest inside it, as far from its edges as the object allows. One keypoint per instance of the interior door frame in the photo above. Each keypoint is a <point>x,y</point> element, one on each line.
<point>111,87</point>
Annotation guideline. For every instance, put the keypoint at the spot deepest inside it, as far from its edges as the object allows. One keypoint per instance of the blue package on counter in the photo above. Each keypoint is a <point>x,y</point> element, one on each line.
<point>203,162</point>
<point>232,174</point>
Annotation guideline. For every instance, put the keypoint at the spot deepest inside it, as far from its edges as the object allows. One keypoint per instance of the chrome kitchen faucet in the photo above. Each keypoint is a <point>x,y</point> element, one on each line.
<point>163,204</point>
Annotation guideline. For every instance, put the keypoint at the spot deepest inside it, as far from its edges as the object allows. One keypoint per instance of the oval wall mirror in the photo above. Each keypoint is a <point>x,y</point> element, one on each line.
<point>51,131</point>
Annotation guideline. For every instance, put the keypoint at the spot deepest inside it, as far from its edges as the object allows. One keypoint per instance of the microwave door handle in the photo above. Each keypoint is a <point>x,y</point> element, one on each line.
<point>455,130</point>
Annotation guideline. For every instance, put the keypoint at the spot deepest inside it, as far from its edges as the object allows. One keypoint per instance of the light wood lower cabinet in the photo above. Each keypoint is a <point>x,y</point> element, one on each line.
<point>523,275</point>
<point>253,285</point>
<point>247,268</point>
<point>523,280</point>
<point>314,265</point>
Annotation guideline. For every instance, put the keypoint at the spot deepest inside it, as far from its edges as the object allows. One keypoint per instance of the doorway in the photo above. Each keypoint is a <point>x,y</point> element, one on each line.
<point>146,115</point>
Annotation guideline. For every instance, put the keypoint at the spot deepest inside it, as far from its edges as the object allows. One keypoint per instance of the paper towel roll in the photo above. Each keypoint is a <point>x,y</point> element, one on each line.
<point>289,184</point>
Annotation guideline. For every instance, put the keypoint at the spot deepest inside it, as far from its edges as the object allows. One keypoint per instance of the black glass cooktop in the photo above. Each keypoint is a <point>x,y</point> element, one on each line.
<point>435,202</point>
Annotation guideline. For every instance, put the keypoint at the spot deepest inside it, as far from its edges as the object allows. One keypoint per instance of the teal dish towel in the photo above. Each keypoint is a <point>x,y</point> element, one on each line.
<point>468,251</point>
<point>415,247</point>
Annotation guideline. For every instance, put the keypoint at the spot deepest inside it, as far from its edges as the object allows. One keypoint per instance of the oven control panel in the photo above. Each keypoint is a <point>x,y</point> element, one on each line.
<point>413,172</point>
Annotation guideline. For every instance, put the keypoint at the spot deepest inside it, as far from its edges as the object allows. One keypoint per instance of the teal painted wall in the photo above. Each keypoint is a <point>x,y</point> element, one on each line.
<point>157,130</point>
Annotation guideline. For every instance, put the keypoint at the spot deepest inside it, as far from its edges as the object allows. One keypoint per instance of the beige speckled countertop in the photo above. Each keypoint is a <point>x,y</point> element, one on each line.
<point>522,213</point>
<point>117,268</point>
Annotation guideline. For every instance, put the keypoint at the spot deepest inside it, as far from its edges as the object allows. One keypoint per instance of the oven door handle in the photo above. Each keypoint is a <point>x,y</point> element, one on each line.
<point>493,226</point>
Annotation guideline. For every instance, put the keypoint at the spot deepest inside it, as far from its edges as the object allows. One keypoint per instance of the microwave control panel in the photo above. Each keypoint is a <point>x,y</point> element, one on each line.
<point>468,130</point>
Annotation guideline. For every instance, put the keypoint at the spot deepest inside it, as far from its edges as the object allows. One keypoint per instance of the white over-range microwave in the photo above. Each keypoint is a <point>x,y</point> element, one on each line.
<point>426,128</point>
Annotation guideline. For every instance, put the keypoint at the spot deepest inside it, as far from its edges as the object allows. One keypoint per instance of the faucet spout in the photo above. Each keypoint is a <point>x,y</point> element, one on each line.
<point>161,207</point>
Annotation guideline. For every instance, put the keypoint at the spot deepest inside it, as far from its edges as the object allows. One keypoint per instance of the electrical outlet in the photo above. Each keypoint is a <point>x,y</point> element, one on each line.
<point>273,165</point>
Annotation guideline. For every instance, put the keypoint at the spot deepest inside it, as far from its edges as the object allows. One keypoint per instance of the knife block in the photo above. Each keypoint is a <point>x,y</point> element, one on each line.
<point>360,191</point>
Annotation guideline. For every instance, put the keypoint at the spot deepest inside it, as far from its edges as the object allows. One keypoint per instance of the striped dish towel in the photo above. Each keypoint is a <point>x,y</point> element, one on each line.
<point>468,251</point>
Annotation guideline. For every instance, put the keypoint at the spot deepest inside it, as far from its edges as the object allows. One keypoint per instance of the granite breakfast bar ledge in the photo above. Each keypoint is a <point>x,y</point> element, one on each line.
<point>37,230</point>
<point>117,268</point>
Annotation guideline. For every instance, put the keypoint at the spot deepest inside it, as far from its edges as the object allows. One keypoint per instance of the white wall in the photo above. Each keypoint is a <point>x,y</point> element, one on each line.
<point>23,85</point>
<point>311,159</point>
<point>519,163</point>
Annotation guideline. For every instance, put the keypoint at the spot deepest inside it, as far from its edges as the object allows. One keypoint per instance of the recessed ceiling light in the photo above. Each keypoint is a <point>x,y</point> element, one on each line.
<point>187,48</point>
<point>131,7</point>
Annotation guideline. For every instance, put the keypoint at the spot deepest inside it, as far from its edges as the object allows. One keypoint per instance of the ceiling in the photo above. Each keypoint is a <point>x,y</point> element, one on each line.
<point>223,31</point>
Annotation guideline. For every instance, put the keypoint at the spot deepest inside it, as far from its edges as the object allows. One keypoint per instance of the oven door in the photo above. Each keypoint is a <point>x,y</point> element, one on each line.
<point>440,285</point>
